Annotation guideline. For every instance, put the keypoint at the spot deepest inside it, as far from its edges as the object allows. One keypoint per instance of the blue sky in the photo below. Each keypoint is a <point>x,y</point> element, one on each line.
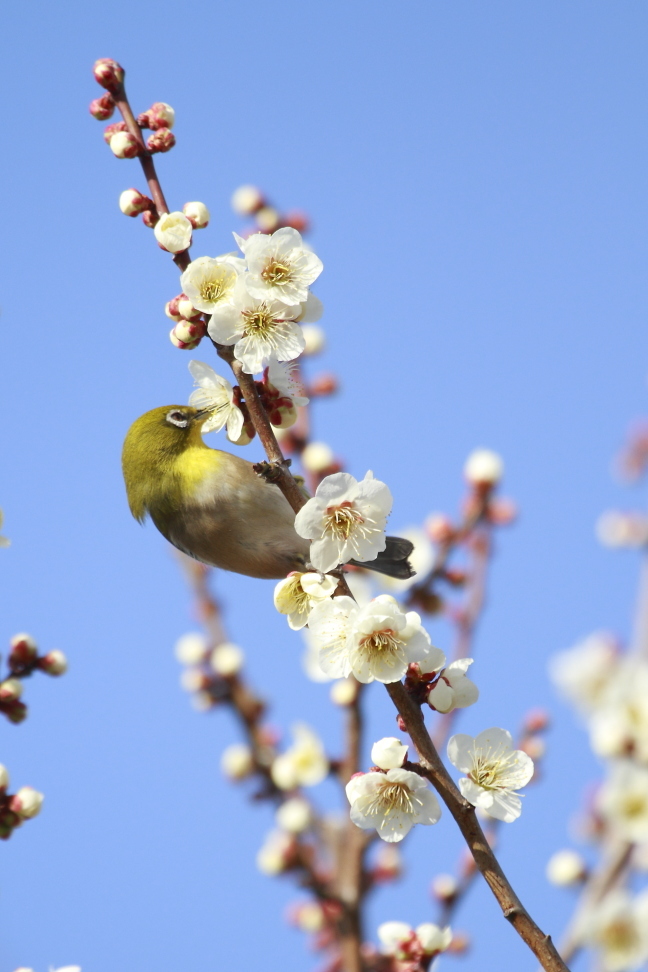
<point>476,176</point>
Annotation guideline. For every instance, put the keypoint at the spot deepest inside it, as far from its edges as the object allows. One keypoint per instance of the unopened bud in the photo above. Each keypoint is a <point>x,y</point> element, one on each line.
<point>344,692</point>
<point>161,141</point>
<point>445,887</point>
<point>53,663</point>
<point>277,853</point>
<point>247,200</point>
<point>483,468</point>
<point>295,815</point>
<point>237,761</point>
<point>323,385</point>
<point>102,108</point>
<point>309,917</point>
<point>314,337</point>
<point>190,649</point>
<point>298,220</point>
<point>23,651</point>
<point>267,219</point>
<point>317,456</point>
<point>439,528</point>
<point>160,115</point>
<point>132,202</point>
<point>150,218</point>
<point>173,232</point>
<point>4,777</point>
<point>534,746</point>
<point>186,309</point>
<point>10,690</point>
<point>537,720</point>
<point>460,943</point>
<point>227,659</point>
<point>124,145</point>
<point>284,416</point>
<point>183,345</point>
<point>566,867</point>
<point>109,74</point>
<point>502,512</point>
<point>246,436</point>
<point>197,214</point>
<point>16,711</point>
<point>171,310</point>
<point>190,331</point>
<point>193,680</point>
<point>111,130</point>
<point>27,802</point>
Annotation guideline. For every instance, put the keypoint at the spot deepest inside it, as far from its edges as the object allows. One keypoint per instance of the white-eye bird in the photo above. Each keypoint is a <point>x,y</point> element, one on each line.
<point>213,506</point>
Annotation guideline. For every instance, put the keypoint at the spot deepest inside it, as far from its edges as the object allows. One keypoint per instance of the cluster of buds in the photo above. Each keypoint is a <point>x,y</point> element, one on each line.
<point>210,671</point>
<point>17,807</point>
<point>22,662</point>
<point>190,328</point>
<point>250,201</point>
<point>159,118</point>
<point>412,949</point>
<point>483,472</point>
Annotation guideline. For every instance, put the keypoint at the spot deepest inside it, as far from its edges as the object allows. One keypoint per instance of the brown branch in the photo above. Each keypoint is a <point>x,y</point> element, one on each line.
<point>464,814</point>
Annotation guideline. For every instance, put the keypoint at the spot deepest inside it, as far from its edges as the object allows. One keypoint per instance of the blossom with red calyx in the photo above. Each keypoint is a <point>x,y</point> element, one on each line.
<point>161,141</point>
<point>53,663</point>
<point>111,130</point>
<point>197,214</point>
<point>124,145</point>
<point>132,202</point>
<point>109,74</point>
<point>150,218</point>
<point>22,653</point>
<point>102,108</point>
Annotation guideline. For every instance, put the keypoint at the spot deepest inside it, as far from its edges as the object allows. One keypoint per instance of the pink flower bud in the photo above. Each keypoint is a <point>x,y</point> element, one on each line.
<point>23,651</point>
<point>298,220</point>
<point>133,203</point>
<point>160,115</point>
<point>323,385</point>
<point>186,309</point>
<point>109,74</point>
<point>161,141</point>
<point>188,331</point>
<point>10,690</point>
<point>171,310</point>
<point>439,528</point>
<point>143,120</point>
<point>53,663</point>
<point>102,108</point>
<point>197,214</point>
<point>124,145</point>
<point>151,218</point>
<point>283,416</point>
<point>183,345</point>
<point>26,802</point>
<point>16,711</point>
<point>111,130</point>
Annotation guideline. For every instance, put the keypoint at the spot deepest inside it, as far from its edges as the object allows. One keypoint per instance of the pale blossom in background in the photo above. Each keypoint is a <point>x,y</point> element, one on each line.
<point>280,266</point>
<point>316,457</point>
<point>566,867</point>
<point>237,761</point>
<point>581,673</point>
<point>227,659</point>
<point>275,854</point>
<point>494,770</point>
<point>190,648</point>
<point>618,929</point>
<point>345,520</point>
<point>303,764</point>
<point>295,815</point>
<point>215,393</point>
<point>622,801</point>
<point>246,200</point>
<point>391,803</point>
<point>484,468</point>
<point>619,725</point>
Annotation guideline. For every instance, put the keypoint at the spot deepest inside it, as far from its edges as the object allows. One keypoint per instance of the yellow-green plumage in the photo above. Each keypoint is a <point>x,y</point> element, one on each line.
<point>208,503</point>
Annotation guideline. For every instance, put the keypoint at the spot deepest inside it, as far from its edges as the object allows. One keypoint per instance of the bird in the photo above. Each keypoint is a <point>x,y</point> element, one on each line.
<point>214,507</point>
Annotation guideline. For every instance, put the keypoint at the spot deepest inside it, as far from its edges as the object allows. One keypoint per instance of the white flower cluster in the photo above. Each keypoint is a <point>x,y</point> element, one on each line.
<point>257,302</point>
<point>407,944</point>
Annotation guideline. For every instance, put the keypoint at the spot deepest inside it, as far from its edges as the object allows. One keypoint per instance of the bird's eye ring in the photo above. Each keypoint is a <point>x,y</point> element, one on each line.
<point>177,418</point>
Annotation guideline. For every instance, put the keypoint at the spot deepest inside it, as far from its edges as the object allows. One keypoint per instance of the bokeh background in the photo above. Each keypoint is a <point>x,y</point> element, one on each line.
<point>476,175</point>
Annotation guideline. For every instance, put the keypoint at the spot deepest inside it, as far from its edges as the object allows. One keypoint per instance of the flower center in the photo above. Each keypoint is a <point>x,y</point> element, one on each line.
<point>619,935</point>
<point>391,797</point>
<point>382,644</point>
<point>217,285</point>
<point>634,806</point>
<point>341,521</point>
<point>276,272</point>
<point>259,322</point>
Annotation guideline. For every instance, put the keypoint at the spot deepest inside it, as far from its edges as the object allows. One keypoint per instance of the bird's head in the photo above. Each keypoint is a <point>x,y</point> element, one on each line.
<point>153,445</point>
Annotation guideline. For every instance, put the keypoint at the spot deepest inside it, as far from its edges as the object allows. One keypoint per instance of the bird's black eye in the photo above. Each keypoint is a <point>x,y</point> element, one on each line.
<point>178,418</point>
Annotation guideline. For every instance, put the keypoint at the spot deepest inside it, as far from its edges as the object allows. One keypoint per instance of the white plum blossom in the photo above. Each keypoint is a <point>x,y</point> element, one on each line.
<point>389,753</point>
<point>280,266</point>
<point>227,659</point>
<point>209,282</point>
<point>314,337</point>
<point>391,803</point>
<point>298,593</point>
<point>345,520</point>
<point>27,802</point>
<point>282,376</point>
<point>274,856</point>
<point>237,761</point>
<point>295,815</point>
<point>311,310</point>
<point>581,673</point>
<point>190,648</point>
<point>377,641</point>
<point>453,689</point>
<point>484,468</point>
<point>622,801</point>
<point>197,214</point>
<point>304,764</point>
<point>173,232</point>
<point>216,394</point>
<point>404,943</point>
<point>317,457</point>
<point>618,929</point>
<point>259,329</point>
<point>494,770</point>
<point>246,200</point>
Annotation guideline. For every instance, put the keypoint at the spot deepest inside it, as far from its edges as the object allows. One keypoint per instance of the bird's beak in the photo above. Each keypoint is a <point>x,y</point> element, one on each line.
<point>203,413</point>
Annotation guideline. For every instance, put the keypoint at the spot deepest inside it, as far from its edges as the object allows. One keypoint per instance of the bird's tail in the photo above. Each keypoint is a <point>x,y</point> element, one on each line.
<point>392,560</point>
